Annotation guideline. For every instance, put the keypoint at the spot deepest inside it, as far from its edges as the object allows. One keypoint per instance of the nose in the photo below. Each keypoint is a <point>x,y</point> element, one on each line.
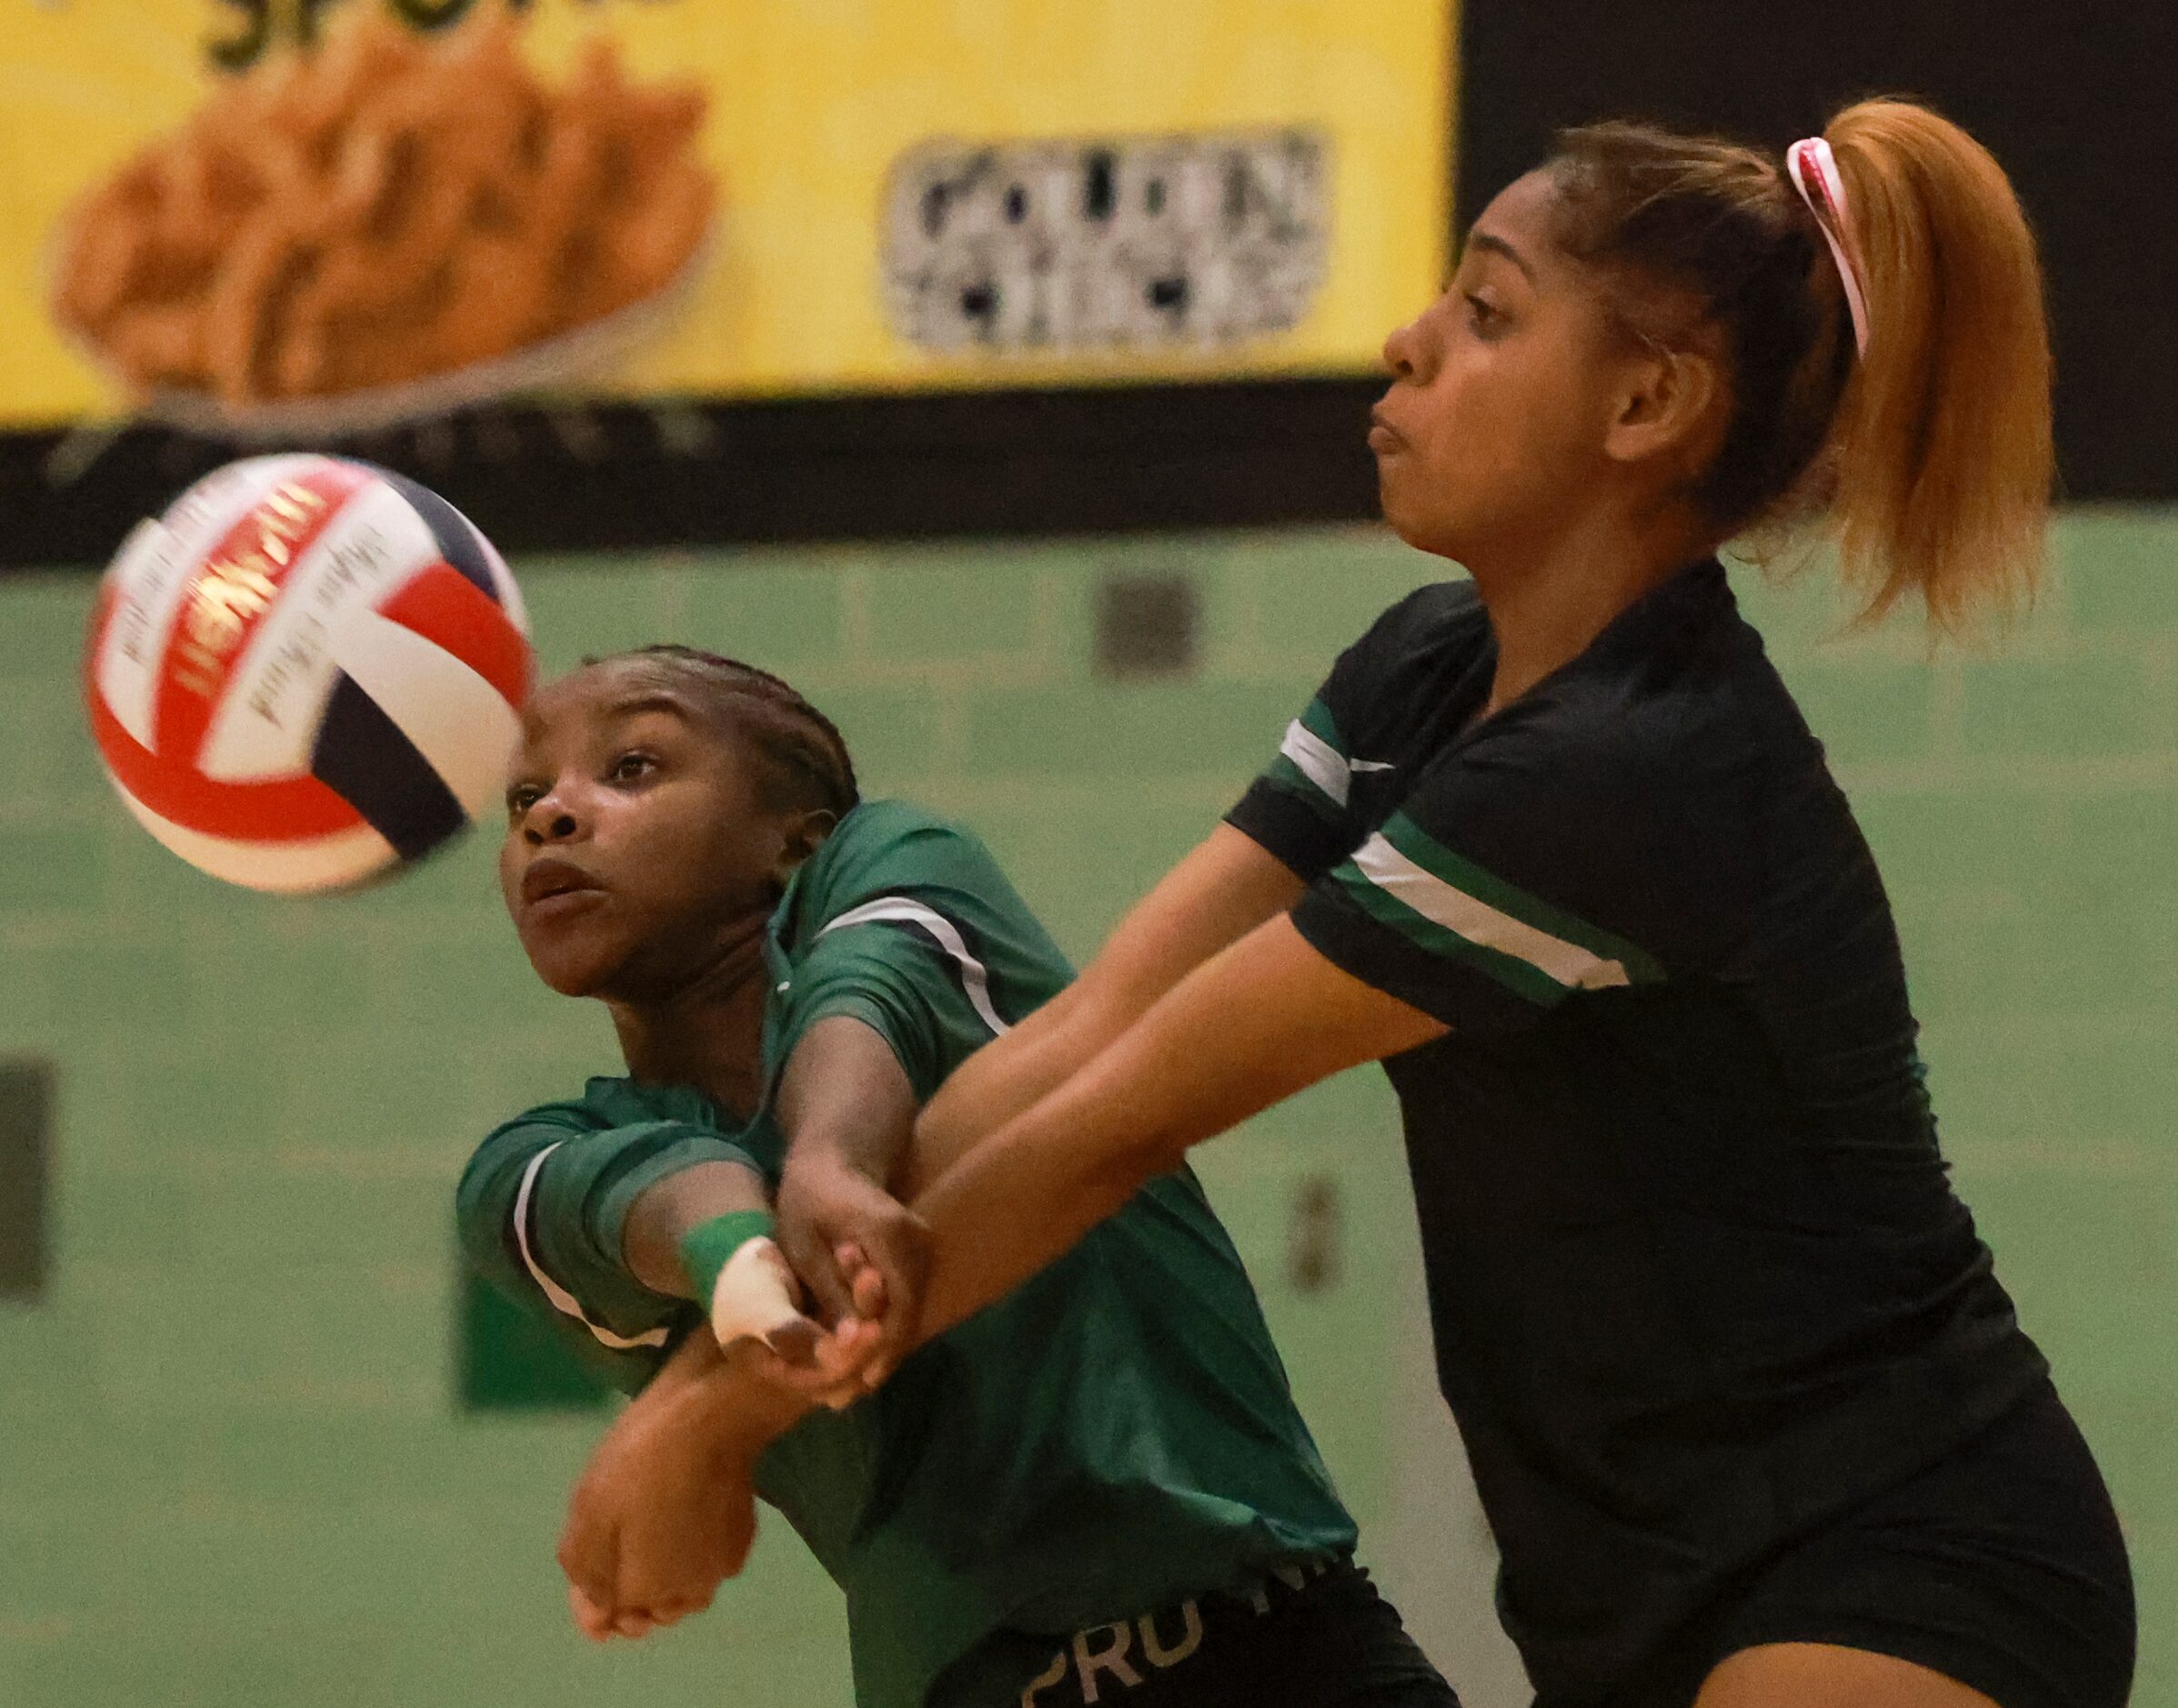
<point>1401,352</point>
<point>552,816</point>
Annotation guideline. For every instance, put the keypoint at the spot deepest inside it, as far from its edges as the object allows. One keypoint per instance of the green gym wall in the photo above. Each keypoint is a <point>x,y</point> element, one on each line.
<point>236,1468</point>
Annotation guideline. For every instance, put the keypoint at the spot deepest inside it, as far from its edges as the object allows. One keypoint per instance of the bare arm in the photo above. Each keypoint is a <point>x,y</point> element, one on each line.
<point>650,1238</point>
<point>1224,889</point>
<point>848,1113</point>
<point>1265,1019</point>
<point>664,1510</point>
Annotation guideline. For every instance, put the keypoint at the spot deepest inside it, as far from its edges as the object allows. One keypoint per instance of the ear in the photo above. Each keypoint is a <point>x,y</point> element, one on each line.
<point>1667,406</point>
<point>802,835</point>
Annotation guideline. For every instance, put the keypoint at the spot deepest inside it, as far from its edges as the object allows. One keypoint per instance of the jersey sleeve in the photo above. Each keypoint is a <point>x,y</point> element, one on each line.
<point>541,1209</point>
<point>1301,808</point>
<point>918,935</point>
<point>1521,873</point>
<point>898,979</point>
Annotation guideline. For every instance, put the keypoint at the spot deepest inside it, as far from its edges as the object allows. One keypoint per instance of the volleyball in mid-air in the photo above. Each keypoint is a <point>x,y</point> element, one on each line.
<point>307,673</point>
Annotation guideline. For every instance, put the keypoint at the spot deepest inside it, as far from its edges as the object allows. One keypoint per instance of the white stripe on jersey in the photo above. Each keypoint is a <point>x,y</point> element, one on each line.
<point>564,1301</point>
<point>1321,763</point>
<point>975,978</point>
<point>1318,761</point>
<point>1428,895</point>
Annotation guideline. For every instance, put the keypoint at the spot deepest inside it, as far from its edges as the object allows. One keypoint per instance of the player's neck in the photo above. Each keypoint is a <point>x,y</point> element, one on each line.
<point>1550,601</point>
<point>708,1031</point>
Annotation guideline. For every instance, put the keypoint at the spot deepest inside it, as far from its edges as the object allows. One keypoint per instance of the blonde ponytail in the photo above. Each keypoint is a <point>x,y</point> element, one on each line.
<point>1941,454</point>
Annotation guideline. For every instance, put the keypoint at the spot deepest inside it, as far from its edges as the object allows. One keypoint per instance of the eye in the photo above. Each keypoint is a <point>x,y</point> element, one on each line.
<point>630,768</point>
<point>521,797</point>
<point>1481,315</point>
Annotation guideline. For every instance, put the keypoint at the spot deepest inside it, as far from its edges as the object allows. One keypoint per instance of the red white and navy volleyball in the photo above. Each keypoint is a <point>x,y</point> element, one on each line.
<point>307,673</point>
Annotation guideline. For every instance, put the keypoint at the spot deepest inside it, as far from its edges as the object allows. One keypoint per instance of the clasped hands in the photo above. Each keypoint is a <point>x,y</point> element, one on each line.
<point>664,1510</point>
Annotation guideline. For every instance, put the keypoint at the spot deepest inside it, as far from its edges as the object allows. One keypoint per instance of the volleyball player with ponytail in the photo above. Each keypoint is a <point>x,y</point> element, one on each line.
<point>1749,1414</point>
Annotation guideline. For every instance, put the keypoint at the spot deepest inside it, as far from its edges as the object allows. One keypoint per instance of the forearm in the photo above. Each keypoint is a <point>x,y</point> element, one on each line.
<point>543,1211</point>
<point>845,1101</point>
<point>1261,1021</point>
<point>694,1359</point>
<point>712,1392</point>
<point>1013,1073</point>
<point>650,1239</point>
<point>745,1412</point>
<point>1223,890</point>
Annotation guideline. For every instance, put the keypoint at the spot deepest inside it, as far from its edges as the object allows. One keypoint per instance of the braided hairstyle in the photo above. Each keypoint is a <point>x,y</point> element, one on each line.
<point>806,762</point>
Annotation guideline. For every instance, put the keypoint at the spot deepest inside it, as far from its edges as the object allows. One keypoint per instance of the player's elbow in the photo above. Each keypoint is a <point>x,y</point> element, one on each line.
<point>479,1216</point>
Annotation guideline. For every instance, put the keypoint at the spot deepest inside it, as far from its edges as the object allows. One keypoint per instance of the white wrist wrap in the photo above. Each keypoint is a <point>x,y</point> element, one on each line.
<point>755,1295</point>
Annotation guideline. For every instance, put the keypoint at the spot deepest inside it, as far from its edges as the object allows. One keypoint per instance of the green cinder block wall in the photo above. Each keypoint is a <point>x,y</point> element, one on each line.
<point>233,1471</point>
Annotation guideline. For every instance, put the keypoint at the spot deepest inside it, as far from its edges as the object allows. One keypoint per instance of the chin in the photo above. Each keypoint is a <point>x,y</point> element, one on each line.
<point>572,970</point>
<point>1414,523</point>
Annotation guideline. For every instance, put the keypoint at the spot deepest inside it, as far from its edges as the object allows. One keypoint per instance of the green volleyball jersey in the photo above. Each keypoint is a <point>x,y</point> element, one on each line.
<point>1114,1436</point>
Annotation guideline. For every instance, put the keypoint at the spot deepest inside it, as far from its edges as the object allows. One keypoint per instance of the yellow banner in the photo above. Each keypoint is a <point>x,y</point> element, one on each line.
<point>306,217</point>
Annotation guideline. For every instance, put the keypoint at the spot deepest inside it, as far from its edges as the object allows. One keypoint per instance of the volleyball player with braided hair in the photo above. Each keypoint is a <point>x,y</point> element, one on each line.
<point>1100,1490</point>
<point>1750,1416</point>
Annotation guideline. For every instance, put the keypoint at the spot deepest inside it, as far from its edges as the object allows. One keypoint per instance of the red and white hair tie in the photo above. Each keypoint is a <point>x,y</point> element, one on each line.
<point>1815,172</point>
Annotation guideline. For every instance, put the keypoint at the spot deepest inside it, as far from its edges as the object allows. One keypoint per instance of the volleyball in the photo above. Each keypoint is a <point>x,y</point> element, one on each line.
<point>307,673</point>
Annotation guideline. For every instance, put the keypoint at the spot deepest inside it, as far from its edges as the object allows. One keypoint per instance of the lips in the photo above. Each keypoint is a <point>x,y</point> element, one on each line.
<point>548,878</point>
<point>1382,435</point>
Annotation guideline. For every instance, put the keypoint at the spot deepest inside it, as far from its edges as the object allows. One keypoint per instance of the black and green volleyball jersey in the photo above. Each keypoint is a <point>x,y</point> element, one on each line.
<point>1112,1437</point>
<point>1697,1277</point>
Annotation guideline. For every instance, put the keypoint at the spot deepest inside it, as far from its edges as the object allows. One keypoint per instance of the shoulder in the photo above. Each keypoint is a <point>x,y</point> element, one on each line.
<point>884,846</point>
<point>1429,620</point>
<point>893,861</point>
<point>567,1116</point>
<point>1635,801</point>
<point>1676,723</point>
<point>878,828</point>
<point>1389,684</point>
<point>607,1102</point>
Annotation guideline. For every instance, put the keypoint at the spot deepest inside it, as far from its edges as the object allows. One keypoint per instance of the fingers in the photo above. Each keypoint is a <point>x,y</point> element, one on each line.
<point>889,1293</point>
<point>588,1553</point>
<point>809,1251</point>
<point>847,1350</point>
<point>634,1622</point>
<point>820,1380</point>
<point>797,1341</point>
<point>674,1609</point>
<point>811,1258</point>
<point>897,1247</point>
<point>866,1282</point>
<point>590,1619</point>
<point>638,1617</point>
<point>843,1358</point>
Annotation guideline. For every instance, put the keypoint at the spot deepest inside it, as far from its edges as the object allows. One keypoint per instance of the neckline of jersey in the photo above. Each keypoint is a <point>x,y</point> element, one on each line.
<point>1698,590</point>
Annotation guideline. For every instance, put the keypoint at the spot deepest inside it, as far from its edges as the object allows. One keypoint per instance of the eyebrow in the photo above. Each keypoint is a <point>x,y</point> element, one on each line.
<point>1494,245</point>
<point>627,705</point>
<point>633,704</point>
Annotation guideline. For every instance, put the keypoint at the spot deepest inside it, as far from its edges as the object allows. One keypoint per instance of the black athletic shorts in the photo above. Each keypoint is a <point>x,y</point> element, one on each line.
<point>2002,1567</point>
<point>1314,1636</point>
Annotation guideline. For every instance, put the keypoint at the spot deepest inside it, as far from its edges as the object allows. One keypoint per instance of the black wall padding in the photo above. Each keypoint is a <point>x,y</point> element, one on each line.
<point>1077,460</point>
<point>27,1115</point>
